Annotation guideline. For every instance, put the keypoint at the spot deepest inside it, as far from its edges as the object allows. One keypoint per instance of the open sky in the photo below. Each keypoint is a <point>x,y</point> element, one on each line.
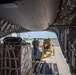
<point>38,34</point>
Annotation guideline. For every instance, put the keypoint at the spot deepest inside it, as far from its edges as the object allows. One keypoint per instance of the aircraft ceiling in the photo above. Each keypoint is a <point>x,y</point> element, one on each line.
<point>30,14</point>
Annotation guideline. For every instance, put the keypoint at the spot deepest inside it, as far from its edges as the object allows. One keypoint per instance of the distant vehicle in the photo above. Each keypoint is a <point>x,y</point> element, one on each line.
<point>47,49</point>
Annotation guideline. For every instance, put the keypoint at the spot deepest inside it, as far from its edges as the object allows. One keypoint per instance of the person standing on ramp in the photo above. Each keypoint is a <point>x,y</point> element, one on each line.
<point>35,46</point>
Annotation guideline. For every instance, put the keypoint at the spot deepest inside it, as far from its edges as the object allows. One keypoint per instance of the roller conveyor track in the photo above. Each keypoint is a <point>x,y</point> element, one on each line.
<point>45,69</point>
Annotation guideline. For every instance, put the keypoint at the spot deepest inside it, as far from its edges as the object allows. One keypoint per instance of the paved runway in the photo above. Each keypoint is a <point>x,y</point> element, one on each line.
<point>60,60</point>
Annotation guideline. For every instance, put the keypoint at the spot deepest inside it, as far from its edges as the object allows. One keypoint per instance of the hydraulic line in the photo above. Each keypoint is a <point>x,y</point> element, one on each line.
<point>39,70</point>
<point>38,67</point>
<point>43,67</point>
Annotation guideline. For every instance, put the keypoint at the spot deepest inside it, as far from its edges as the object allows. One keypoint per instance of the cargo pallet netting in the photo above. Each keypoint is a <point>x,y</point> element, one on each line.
<point>15,58</point>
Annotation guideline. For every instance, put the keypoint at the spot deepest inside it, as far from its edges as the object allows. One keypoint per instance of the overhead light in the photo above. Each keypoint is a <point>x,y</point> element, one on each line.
<point>10,5</point>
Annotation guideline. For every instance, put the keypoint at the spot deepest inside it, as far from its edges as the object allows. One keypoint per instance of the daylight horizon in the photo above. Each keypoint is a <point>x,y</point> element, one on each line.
<point>38,34</point>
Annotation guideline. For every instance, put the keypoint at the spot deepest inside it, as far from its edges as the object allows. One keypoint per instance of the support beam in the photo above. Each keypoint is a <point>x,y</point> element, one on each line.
<point>62,25</point>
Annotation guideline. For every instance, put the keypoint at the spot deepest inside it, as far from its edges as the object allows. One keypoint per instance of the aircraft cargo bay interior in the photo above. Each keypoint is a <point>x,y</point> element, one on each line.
<point>36,54</point>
